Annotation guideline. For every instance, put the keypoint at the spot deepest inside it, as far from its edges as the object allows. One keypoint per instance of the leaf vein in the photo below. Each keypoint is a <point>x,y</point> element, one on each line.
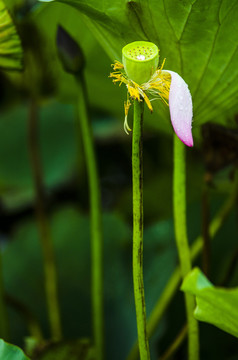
<point>185,24</point>
<point>223,71</point>
<point>179,49</point>
<point>225,98</point>
<point>152,21</point>
<point>210,55</point>
<point>169,20</point>
<point>235,3</point>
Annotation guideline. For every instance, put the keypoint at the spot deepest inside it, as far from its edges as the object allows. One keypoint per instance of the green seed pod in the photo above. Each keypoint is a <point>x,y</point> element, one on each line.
<point>140,60</point>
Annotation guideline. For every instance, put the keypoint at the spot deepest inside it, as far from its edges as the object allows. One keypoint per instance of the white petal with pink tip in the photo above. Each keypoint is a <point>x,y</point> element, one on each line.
<point>181,108</point>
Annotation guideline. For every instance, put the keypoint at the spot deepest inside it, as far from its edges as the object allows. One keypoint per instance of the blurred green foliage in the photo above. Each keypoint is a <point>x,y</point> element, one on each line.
<point>77,349</point>
<point>57,149</point>
<point>70,229</point>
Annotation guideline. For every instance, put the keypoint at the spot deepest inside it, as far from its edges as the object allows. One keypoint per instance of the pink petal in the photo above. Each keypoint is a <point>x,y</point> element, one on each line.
<point>181,108</point>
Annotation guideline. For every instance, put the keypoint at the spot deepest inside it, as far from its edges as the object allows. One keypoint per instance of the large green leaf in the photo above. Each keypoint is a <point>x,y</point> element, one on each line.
<point>11,352</point>
<point>217,306</point>
<point>44,73</point>
<point>198,38</point>
<point>10,44</point>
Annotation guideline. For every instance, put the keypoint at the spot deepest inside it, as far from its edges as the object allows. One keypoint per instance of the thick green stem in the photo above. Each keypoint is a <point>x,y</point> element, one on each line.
<point>179,196</point>
<point>175,279</point>
<point>137,174</point>
<point>4,328</point>
<point>51,287</point>
<point>96,222</point>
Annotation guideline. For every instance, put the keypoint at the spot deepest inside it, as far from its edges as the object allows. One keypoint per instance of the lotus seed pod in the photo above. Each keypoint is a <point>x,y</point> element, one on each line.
<point>140,60</point>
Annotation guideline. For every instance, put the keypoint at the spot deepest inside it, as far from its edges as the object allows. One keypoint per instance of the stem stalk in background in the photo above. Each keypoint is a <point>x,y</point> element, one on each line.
<point>175,279</point>
<point>206,253</point>
<point>29,317</point>
<point>179,202</point>
<point>137,176</point>
<point>51,286</point>
<point>175,344</point>
<point>96,221</point>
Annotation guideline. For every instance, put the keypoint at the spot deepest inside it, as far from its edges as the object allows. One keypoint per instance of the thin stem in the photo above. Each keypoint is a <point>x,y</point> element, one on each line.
<point>206,253</point>
<point>175,279</point>
<point>4,326</point>
<point>175,344</point>
<point>96,222</point>
<point>51,286</point>
<point>137,175</point>
<point>231,269</point>
<point>179,195</point>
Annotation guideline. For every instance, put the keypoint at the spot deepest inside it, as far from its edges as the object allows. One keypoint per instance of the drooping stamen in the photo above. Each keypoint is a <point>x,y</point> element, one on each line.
<point>127,105</point>
<point>159,85</point>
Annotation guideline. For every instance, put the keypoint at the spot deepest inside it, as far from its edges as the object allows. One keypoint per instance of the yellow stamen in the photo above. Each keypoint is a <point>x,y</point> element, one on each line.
<point>161,67</point>
<point>148,103</point>
<point>133,90</point>
<point>117,65</point>
<point>118,77</point>
<point>158,85</point>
